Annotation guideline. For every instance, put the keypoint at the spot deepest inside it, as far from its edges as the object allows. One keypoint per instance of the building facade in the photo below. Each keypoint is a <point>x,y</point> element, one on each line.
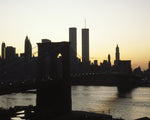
<point>85,45</point>
<point>3,51</point>
<point>28,48</point>
<point>73,42</point>
<point>117,56</point>
<point>10,53</point>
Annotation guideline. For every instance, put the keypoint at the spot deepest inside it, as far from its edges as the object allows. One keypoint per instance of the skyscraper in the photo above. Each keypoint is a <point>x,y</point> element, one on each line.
<point>3,51</point>
<point>85,45</point>
<point>28,48</point>
<point>116,62</point>
<point>73,42</point>
<point>109,63</point>
<point>122,66</point>
<point>109,58</point>
<point>117,54</point>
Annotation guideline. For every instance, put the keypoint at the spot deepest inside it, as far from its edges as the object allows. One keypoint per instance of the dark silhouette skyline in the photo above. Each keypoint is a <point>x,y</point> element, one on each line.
<point>105,30</point>
<point>52,76</point>
<point>57,65</point>
<point>8,52</point>
<point>76,65</point>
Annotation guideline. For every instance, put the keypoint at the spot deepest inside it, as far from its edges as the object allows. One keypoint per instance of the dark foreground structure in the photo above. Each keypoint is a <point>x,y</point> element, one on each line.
<point>31,114</point>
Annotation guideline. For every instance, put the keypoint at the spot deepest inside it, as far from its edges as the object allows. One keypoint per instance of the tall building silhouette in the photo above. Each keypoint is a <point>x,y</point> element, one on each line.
<point>122,66</point>
<point>109,61</point>
<point>109,58</point>
<point>3,51</point>
<point>28,48</point>
<point>117,55</point>
<point>73,42</point>
<point>85,45</point>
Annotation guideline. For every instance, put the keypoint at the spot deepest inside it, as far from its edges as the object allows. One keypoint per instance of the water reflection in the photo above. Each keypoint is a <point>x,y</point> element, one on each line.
<point>95,99</point>
<point>19,99</point>
<point>106,100</point>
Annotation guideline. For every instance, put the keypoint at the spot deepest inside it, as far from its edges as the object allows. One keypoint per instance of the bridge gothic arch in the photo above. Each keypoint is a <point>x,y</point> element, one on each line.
<point>54,95</point>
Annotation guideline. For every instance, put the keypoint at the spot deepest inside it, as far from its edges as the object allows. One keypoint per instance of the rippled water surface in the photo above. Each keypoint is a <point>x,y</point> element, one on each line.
<point>97,99</point>
<point>106,100</point>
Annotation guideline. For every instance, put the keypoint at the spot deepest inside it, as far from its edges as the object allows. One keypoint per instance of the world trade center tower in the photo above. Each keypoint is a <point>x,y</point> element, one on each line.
<point>85,45</point>
<point>73,42</point>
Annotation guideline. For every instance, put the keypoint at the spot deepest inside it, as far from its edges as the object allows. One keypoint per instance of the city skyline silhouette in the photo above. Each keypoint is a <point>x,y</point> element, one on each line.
<point>68,60</point>
<point>74,37</point>
<point>53,76</point>
<point>125,23</point>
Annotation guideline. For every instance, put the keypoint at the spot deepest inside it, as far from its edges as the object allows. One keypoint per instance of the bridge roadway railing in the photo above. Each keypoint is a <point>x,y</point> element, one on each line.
<point>105,74</point>
<point>107,79</point>
<point>15,85</point>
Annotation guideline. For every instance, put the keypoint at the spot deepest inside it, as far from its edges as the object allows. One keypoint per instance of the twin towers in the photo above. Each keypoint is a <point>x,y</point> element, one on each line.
<point>85,44</point>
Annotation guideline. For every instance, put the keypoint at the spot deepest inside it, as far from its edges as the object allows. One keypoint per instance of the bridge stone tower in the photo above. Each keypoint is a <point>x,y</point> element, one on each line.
<point>54,92</point>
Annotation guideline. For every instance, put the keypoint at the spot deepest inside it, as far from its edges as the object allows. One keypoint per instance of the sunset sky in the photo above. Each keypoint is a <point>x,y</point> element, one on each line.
<point>110,22</point>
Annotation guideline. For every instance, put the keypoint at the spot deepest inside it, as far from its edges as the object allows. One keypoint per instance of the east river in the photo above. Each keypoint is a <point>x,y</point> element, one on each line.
<point>96,99</point>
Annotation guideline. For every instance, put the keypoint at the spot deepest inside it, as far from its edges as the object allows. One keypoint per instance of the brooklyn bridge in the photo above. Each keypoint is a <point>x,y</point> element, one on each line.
<point>53,81</point>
